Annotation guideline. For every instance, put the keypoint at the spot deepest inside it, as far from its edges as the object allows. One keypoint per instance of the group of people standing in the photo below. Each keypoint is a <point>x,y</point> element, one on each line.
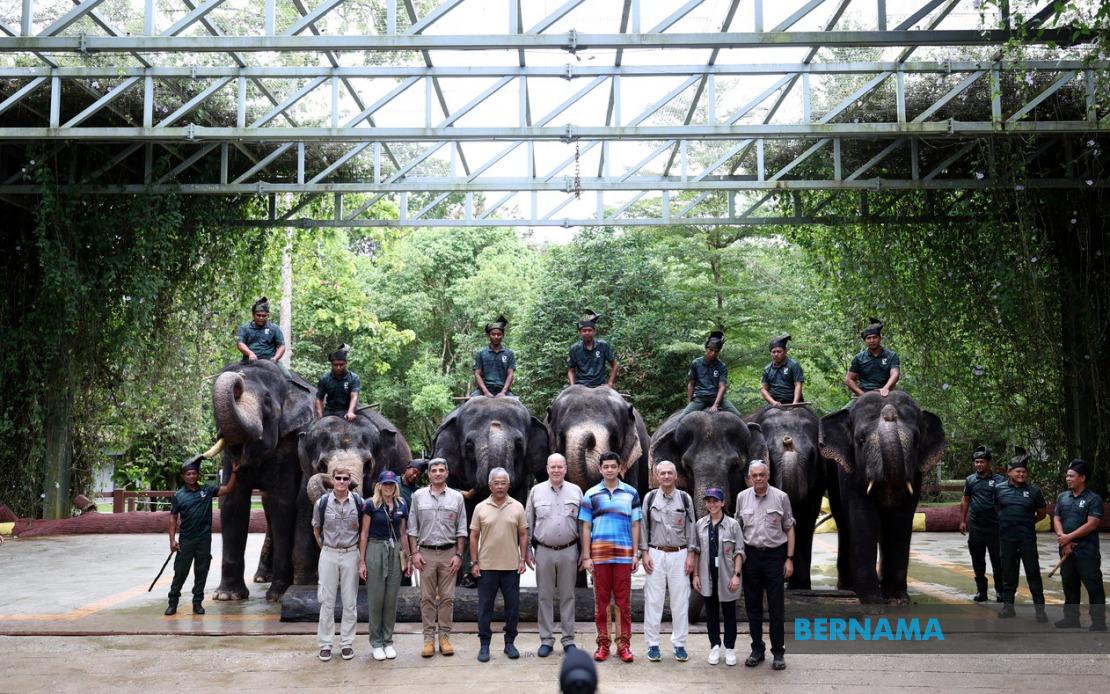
<point>999,515</point>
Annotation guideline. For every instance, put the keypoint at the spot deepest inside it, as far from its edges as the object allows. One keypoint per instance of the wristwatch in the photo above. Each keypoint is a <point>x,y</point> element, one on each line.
<point>790,557</point>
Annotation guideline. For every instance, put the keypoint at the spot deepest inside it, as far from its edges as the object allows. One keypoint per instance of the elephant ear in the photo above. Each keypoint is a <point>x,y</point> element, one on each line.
<point>835,439</point>
<point>757,444</point>
<point>932,442</point>
<point>538,449</point>
<point>296,414</point>
<point>665,445</point>
<point>632,451</point>
<point>445,443</point>
<point>303,455</point>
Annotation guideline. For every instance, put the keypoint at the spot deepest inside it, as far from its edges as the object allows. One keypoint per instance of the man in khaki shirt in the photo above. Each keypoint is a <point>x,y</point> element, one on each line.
<point>437,522</point>
<point>767,522</point>
<point>498,554</point>
<point>552,517</point>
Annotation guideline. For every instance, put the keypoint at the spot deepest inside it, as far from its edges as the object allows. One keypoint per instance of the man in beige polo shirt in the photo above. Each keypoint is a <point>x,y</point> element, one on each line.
<point>437,522</point>
<point>498,551</point>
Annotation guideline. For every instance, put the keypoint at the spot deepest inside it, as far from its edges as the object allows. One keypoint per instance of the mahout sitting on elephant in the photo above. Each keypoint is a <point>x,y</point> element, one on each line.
<point>883,447</point>
<point>259,416</point>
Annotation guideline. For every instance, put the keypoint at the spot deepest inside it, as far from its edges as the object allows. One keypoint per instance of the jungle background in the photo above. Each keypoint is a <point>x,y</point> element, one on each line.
<point>117,312</point>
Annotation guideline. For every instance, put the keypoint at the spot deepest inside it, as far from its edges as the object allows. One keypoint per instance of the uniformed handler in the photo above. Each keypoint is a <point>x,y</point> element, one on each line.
<point>437,520</point>
<point>337,391</point>
<point>982,531</point>
<point>707,379</point>
<point>782,377</point>
<point>669,546</point>
<point>767,521</point>
<point>718,576</point>
<point>588,357</point>
<point>191,532</point>
<point>494,365</point>
<point>876,367</point>
<point>498,556</point>
<point>259,338</point>
<point>335,523</point>
<point>552,517</point>
<point>1020,506</point>
<point>410,479</point>
<point>1075,520</point>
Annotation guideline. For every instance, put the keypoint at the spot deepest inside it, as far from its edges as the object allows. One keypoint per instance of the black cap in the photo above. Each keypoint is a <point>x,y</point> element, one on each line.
<point>192,464</point>
<point>981,452</point>
<point>716,340</point>
<point>779,341</point>
<point>419,464</point>
<point>500,324</point>
<point>589,319</point>
<point>874,327</point>
<point>1081,467</point>
<point>1020,459</point>
<point>340,353</point>
<point>578,674</point>
<point>263,304</point>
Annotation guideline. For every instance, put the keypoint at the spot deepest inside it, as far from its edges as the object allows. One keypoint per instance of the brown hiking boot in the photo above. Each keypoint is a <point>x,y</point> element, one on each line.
<point>429,649</point>
<point>445,645</point>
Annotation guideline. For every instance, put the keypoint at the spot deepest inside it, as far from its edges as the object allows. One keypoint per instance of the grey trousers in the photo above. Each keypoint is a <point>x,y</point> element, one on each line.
<point>556,572</point>
<point>337,570</point>
<point>383,577</point>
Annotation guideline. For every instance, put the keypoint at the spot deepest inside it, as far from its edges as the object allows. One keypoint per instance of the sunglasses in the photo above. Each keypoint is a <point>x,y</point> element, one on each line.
<point>342,479</point>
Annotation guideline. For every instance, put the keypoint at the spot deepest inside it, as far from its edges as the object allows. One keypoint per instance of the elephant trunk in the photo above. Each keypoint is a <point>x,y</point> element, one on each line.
<point>893,458</point>
<point>585,444</point>
<point>497,452</point>
<point>236,409</point>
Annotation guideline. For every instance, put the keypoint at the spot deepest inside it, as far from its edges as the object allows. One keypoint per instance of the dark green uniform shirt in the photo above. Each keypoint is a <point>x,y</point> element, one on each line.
<point>707,377</point>
<point>1073,511</point>
<point>194,509</point>
<point>262,341</point>
<point>780,380</point>
<point>589,365</point>
<point>495,366</point>
<point>980,490</point>
<point>1016,509</point>
<point>874,372</point>
<point>336,392</point>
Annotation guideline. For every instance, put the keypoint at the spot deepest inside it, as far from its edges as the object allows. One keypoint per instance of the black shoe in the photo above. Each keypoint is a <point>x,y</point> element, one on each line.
<point>511,651</point>
<point>1097,626</point>
<point>981,596</point>
<point>171,609</point>
<point>483,653</point>
<point>569,647</point>
<point>1007,611</point>
<point>1040,616</point>
<point>754,659</point>
<point>468,581</point>
<point>779,663</point>
<point>1068,623</point>
<point>544,650</point>
<point>198,608</point>
<point>997,597</point>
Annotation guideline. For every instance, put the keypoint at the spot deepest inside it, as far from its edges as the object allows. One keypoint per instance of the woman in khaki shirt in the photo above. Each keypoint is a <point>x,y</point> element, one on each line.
<point>718,575</point>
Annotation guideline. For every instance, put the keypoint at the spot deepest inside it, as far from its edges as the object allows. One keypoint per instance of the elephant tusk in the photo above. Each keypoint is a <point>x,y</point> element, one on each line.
<point>214,450</point>
<point>869,486</point>
<point>909,488</point>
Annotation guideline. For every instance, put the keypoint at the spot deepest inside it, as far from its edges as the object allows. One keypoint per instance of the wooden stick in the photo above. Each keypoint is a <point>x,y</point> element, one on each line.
<point>821,520</point>
<point>1059,564</point>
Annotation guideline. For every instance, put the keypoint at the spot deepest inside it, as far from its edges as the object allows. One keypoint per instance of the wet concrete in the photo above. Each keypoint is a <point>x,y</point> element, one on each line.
<point>75,611</point>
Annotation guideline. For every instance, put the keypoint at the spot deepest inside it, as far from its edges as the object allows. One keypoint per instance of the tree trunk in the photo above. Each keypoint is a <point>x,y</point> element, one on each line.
<point>286,323</point>
<point>57,431</point>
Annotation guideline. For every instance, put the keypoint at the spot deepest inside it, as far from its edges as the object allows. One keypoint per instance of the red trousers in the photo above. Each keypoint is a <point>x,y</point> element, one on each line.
<point>613,580</point>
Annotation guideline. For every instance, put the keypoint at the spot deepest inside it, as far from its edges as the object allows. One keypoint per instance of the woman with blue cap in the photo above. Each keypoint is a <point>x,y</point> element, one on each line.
<point>383,532</point>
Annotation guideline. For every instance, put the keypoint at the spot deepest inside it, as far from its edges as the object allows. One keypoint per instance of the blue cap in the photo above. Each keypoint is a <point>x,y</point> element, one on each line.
<point>387,477</point>
<point>714,493</point>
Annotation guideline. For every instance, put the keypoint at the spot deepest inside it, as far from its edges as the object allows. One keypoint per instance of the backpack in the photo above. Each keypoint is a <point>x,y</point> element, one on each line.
<point>360,506</point>
<point>686,503</point>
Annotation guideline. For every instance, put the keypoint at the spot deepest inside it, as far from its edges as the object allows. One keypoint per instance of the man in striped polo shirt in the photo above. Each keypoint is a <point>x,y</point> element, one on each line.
<point>610,517</point>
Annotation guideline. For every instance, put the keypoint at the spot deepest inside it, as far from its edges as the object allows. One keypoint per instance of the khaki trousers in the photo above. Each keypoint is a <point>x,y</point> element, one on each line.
<point>337,570</point>
<point>437,592</point>
<point>556,572</point>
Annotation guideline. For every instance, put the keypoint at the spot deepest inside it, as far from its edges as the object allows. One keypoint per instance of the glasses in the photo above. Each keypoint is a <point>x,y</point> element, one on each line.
<point>342,479</point>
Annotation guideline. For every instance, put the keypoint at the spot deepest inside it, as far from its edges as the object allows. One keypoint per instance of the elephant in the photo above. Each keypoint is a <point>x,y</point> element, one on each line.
<point>799,469</point>
<point>708,450</point>
<point>582,423</point>
<point>486,433</point>
<point>259,416</point>
<point>882,448</point>
<point>368,446</point>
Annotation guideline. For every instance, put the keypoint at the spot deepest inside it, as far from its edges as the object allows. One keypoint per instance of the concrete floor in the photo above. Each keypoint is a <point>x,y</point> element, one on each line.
<point>75,611</point>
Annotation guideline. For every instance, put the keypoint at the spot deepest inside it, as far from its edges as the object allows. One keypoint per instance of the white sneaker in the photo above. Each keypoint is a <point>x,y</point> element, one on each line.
<point>714,655</point>
<point>730,656</point>
<point>390,652</point>
<point>379,654</point>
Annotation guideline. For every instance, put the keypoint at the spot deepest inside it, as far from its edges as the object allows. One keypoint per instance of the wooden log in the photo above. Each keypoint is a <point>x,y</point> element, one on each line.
<point>117,523</point>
